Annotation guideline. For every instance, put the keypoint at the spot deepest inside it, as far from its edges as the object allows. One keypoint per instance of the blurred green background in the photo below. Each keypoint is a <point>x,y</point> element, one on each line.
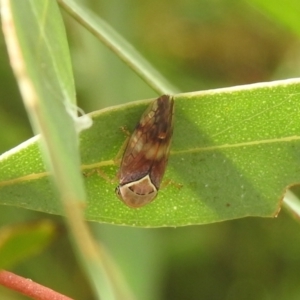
<point>197,45</point>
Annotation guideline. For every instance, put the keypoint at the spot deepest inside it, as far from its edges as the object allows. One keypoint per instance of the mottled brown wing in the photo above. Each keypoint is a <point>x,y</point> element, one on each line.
<point>148,148</point>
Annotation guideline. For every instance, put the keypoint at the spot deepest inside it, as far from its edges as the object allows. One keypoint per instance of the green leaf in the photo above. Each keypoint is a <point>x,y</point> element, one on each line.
<point>38,53</point>
<point>234,153</point>
<point>126,52</point>
<point>18,242</point>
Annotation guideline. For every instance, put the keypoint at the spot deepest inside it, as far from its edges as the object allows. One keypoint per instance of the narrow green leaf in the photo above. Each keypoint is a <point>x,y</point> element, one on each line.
<point>38,53</point>
<point>39,56</point>
<point>126,52</point>
<point>234,153</point>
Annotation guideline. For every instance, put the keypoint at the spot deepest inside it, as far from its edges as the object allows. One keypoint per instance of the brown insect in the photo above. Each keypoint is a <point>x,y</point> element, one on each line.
<point>146,155</point>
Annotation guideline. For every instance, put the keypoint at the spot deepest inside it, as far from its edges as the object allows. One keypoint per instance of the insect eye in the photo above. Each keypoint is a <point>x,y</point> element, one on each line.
<point>117,190</point>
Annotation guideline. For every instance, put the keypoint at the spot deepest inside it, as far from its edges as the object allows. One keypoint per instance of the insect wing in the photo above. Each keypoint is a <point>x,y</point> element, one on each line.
<point>146,155</point>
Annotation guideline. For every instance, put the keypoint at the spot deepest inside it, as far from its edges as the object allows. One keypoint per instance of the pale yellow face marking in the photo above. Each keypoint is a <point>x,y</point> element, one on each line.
<point>137,193</point>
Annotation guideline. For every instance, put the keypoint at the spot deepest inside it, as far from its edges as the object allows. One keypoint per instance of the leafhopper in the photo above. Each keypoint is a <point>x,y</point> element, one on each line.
<point>146,155</point>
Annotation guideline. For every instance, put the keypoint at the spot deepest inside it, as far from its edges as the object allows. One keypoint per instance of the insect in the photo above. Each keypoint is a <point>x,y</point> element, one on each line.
<point>146,155</point>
